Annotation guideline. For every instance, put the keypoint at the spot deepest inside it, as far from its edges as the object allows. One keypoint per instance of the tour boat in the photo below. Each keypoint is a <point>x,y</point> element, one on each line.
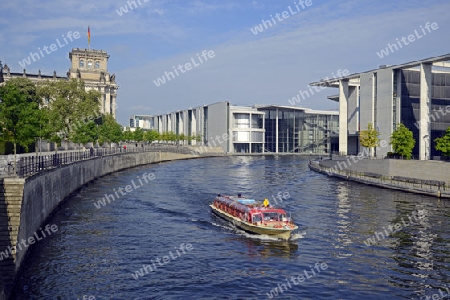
<point>253,216</point>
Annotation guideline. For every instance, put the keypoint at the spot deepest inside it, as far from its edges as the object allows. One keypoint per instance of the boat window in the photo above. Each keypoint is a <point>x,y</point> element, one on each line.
<point>283,217</point>
<point>270,216</point>
<point>256,218</point>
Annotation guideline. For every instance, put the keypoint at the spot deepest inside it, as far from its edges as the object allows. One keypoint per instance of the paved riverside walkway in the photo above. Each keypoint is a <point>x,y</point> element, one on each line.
<point>425,187</point>
<point>32,163</point>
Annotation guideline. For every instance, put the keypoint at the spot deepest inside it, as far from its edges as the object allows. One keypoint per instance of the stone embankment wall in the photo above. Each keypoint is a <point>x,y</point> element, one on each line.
<point>422,177</point>
<point>424,170</point>
<point>26,203</point>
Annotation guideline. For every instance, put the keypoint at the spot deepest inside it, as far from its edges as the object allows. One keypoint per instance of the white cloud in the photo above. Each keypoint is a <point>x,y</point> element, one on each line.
<point>158,11</point>
<point>268,68</point>
<point>274,67</point>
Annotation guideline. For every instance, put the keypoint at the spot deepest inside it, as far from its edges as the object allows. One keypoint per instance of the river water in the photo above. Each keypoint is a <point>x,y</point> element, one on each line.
<point>165,225</point>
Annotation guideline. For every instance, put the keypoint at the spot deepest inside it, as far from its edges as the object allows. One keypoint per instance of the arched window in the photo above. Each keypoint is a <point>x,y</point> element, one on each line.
<point>81,63</point>
<point>97,65</point>
<point>89,64</point>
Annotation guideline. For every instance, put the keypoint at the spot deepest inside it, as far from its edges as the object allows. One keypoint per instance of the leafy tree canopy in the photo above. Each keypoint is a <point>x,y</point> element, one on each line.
<point>70,106</point>
<point>369,138</point>
<point>443,143</point>
<point>127,135</point>
<point>138,135</point>
<point>109,131</point>
<point>85,132</point>
<point>151,135</point>
<point>402,141</point>
<point>20,117</point>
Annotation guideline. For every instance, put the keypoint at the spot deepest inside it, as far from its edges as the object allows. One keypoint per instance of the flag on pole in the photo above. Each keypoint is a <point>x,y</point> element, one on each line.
<point>89,37</point>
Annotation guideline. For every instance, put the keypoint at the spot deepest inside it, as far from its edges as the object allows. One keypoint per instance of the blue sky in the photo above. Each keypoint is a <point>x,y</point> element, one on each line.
<point>268,68</point>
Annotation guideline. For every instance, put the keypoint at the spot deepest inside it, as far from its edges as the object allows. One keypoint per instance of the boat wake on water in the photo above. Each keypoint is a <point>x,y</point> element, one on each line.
<point>298,235</point>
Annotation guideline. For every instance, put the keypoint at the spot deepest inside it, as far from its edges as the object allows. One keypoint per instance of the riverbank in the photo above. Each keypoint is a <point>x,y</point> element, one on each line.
<point>26,204</point>
<point>431,178</point>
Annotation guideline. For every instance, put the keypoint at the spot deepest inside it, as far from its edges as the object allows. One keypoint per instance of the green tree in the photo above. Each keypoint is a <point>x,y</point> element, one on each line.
<point>109,130</point>
<point>127,135</point>
<point>182,138</point>
<point>164,137</point>
<point>369,138</point>
<point>402,141</point>
<point>26,88</point>
<point>20,117</point>
<point>138,135</point>
<point>86,132</point>
<point>443,143</point>
<point>151,135</point>
<point>70,106</point>
<point>171,136</point>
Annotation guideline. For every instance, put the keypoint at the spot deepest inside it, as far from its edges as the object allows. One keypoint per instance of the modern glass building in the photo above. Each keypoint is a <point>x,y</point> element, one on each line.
<point>258,129</point>
<point>439,114</point>
<point>236,129</point>
<point>416,94</point>
<point>247,127</point>
<point>292,129</point>
<point>141,121</point>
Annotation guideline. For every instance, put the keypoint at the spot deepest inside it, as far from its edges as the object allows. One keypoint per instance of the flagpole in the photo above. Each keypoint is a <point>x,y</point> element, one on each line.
<point>89,38</point>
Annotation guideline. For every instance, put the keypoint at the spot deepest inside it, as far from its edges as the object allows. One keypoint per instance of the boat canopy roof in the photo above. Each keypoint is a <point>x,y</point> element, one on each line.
<point>241,203</point>
<point>243,200</point>
<point>232,203</point>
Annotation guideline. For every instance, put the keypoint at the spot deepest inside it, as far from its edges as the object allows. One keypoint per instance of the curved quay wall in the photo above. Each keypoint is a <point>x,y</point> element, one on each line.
<point>26,203</point>
<point>431,178</point>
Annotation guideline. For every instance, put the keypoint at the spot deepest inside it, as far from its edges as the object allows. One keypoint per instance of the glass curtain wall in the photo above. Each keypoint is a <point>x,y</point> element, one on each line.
<point>299,132</point>
<point>410,106</point>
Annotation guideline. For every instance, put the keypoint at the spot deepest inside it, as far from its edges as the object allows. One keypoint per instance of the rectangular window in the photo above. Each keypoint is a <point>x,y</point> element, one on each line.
<point>241,120</point>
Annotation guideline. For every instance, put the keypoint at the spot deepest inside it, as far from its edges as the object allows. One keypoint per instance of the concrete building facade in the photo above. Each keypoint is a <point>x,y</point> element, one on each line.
<point>416,94</point>
<point>236,129</point>
<point>244,129</point>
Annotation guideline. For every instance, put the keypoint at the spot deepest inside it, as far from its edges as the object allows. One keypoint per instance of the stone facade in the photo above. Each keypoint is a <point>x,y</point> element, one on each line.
<point>91,66</point>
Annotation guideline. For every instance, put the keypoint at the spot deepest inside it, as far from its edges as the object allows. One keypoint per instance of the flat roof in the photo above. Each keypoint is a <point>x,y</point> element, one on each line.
<point>306,110</point>
<point>438,61</point>
<point>334,97</point>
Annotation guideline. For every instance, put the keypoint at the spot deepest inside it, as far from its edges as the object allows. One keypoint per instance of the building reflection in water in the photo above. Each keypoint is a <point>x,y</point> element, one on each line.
<point>342,221</point>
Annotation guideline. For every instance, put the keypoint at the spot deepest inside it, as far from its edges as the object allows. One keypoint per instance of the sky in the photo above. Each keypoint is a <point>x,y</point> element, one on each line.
<point>304,42</point>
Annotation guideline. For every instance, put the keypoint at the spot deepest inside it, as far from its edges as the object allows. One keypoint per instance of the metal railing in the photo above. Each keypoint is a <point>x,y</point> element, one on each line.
<point>394,181</point>
<point>33,164</point>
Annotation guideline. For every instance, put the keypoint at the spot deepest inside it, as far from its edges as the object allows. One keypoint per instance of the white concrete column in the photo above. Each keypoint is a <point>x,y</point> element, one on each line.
<point>194,127</point>
<point>276,130</point>
<point>264,134</point>
<point>399,98</point>
<point>343,122</point>
<point>250,134</point>
<point>425,106</point>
